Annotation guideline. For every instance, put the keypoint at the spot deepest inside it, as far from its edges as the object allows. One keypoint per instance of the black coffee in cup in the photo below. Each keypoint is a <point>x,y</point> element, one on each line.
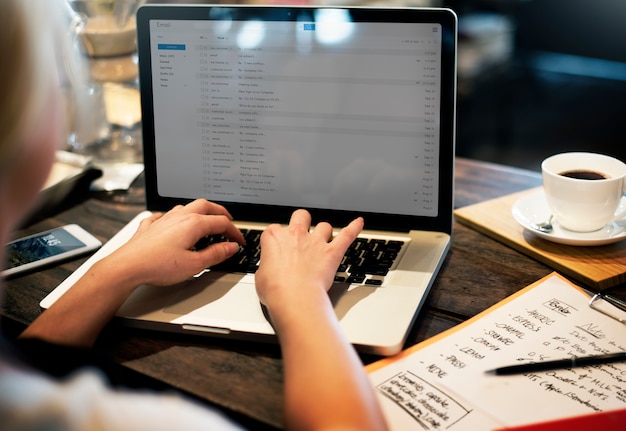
<point>584,175</point>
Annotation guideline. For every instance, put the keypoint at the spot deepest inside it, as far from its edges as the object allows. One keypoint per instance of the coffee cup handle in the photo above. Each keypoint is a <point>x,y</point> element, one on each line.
<point>622,216</point>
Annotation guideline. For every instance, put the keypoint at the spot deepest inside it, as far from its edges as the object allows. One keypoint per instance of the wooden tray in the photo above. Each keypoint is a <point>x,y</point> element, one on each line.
<point>596,267</point>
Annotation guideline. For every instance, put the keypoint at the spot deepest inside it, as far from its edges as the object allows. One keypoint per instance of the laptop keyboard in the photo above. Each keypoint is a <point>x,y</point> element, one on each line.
<point>245,260</point>
<point>367,261</point>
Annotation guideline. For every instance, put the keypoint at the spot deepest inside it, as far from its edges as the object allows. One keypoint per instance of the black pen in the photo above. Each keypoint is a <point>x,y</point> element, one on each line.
<point>559,364</point>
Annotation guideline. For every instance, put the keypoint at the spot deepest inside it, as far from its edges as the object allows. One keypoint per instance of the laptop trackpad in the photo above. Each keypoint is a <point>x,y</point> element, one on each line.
<point>205,290</point>
<point>214,299</point>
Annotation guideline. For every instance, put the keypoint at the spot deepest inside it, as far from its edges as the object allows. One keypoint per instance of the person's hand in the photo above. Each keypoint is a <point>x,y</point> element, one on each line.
<point>160,252</point>
<point>294,260</point>
<point>296,270</point>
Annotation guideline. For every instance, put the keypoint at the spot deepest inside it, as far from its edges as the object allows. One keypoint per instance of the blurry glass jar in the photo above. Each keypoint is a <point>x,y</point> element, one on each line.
<point>106,113</point>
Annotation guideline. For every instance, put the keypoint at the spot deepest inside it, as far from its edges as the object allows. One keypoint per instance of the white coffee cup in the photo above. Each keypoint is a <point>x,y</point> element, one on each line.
<point>578,203</point>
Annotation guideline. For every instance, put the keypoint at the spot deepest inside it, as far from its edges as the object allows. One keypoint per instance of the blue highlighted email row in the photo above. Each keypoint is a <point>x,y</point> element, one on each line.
<point>171,46</point>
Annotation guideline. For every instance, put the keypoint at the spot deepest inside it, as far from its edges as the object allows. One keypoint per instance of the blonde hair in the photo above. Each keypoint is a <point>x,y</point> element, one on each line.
<point>30,37</point>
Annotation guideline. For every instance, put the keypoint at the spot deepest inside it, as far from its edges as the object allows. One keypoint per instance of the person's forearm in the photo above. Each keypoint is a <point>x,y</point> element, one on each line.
<point>79,315</point>
<point>326,386</point>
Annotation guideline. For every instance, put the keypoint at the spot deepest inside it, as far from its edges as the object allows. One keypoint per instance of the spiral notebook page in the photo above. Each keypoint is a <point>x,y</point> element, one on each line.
<point>441,383</point>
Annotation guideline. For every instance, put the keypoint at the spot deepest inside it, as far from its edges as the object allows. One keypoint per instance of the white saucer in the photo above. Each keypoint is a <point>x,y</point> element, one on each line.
<point>533,209</point>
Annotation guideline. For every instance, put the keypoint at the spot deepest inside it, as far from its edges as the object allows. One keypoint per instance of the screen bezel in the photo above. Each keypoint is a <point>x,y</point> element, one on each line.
<point>273,213</point>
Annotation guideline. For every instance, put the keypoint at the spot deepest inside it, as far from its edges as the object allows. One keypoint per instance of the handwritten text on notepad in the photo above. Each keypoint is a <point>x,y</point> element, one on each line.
<point>430,407</point>
<point>443,384</point>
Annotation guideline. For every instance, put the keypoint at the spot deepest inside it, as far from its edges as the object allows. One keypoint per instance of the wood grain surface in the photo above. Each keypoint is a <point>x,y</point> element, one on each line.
<point>596,267</point>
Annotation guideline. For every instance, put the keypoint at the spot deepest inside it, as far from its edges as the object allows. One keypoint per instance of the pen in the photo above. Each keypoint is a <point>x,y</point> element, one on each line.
<point>559,364</point>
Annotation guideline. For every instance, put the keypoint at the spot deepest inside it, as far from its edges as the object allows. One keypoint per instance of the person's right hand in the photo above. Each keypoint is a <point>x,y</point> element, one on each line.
<point>294,260</point>
<point>297,267</point>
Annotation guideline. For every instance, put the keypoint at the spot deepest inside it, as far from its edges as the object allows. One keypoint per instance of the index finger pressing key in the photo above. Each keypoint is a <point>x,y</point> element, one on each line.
<point>348,234</point>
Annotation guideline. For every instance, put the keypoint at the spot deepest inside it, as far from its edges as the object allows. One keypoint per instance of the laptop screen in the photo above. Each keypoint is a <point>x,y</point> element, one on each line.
<point>300,108</point>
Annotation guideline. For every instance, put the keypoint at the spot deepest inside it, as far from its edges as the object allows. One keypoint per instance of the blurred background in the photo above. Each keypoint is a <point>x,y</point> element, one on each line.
<point>536,77</point>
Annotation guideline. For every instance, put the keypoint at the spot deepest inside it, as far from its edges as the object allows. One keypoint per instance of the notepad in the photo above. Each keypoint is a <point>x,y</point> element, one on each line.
<point>441,383</point>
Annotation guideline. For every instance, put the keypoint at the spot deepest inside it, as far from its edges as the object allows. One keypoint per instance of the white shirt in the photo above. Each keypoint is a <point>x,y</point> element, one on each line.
<point>31,401</point>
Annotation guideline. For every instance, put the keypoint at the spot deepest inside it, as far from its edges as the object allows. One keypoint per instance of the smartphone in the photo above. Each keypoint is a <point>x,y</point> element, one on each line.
<point>45,248</point>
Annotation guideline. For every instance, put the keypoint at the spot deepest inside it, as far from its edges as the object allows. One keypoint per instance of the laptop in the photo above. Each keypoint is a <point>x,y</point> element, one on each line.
<point>344,111</point>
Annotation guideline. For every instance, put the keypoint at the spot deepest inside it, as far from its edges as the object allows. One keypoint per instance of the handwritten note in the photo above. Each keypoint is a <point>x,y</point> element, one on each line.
<point>442,384</point>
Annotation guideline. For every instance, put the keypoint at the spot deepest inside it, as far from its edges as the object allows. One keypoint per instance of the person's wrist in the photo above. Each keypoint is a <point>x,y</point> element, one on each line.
<point>118,271</point>
<point>298,304</point>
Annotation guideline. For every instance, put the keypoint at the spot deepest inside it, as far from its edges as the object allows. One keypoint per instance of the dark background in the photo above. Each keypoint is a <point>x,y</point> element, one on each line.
<point>564,88</point>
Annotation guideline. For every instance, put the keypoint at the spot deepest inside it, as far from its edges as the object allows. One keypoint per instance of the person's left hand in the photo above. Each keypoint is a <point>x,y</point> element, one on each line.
<point>160,252</point>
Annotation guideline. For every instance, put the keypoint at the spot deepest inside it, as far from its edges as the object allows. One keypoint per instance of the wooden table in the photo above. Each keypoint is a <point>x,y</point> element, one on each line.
<point>245,379</point>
